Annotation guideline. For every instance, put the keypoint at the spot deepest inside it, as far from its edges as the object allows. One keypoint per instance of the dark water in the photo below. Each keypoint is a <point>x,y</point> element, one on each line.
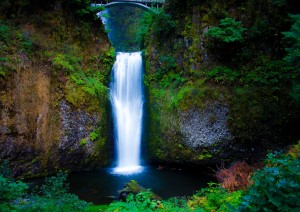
<point>100,186</point>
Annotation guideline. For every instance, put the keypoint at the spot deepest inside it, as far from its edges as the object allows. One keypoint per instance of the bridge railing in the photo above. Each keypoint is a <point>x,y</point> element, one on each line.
<point>137,1</point>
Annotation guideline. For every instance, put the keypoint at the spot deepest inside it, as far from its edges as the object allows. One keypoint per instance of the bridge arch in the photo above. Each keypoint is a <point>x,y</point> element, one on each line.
<point>135,4</point>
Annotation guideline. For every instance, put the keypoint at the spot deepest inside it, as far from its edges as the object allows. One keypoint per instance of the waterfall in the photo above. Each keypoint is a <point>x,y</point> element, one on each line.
<point>127,103</point>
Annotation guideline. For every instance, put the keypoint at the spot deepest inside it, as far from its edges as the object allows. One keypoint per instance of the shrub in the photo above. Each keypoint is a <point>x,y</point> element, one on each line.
<point>142,201</point>
<point>55,186</point>
<point>53,196</point>
<point>276,187</point>
<point>236,177</point>
<point>223,74</point>
<point>163,24</point>
<point>11,190</point>
<point>228,32</point>
<point>294,151</point>
<point>215,198</point>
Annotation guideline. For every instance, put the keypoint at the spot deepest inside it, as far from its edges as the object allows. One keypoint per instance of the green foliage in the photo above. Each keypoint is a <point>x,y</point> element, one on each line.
<point>4,33</point>
<point>5,171</point>
<point>55,186</point>
<point>293,53</point>
<point>67,202</point>
<point>83,142</point>
<point>215,198</point>
<point>53,196</point>
<point>229,31</point>
<point>279,2</point>
<point>276,187</point>
<point>223,74</point>
<point>83,8</point>
<point>266,72</point>
<point>66,62</point>
<point>293,37</point>
<point>165,75</point>
<point>91,84</point>
<point>142,201</point>
<point>11,190</point>
<point>108,57</point>
<point>262,72</point>
<point>94,87</point>
<point>189,95</point>
<point>163,24</point>
<point>94,135</point>
<point>145,24</point>
<point>175,204</point>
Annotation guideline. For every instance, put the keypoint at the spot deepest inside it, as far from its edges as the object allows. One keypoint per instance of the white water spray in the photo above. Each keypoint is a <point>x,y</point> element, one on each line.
<point>127,103</point>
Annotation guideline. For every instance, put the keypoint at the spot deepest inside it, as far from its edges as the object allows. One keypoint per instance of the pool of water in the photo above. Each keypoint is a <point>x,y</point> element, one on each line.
<point>101,186</point>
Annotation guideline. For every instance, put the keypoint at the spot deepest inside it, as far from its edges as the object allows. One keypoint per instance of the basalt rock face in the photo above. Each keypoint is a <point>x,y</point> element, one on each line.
<point>195,136</point>
<point>205,128</point>
<point>77,126</point>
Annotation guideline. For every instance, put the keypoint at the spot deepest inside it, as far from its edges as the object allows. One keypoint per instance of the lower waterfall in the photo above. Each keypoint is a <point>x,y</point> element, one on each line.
<point>127,102</point>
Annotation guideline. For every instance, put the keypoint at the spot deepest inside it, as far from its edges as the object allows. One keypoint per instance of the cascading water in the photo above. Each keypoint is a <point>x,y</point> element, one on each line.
<point>127,103</point>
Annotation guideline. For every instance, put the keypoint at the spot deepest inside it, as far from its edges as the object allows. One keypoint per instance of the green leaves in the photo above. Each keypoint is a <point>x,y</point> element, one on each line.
<point>142,201</point>
<point>55,186</point>
<point>10,190</point>
<point>62,61</point>
<point>95,134</point>
<point>4,33</point>
<point>223,74</point>
<point>215,198</point>
<point>276,187</point>
<point>293,37</point>
<point>293,53</point>
<point>163,24</point>
<point>228,32</point>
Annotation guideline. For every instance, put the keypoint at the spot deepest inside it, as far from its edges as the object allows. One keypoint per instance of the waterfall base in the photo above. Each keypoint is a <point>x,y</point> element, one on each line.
<point>128,170</point>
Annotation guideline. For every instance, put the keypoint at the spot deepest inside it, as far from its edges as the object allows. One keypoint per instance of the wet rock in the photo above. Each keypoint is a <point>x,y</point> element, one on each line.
<point>205,128</point>
<point>76,126</point>
<point>132,187</point>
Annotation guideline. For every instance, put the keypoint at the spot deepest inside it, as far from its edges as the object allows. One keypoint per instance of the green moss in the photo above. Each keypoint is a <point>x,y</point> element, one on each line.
<point>83,142</point>
<point>94,135</point>
<point>204,155</point>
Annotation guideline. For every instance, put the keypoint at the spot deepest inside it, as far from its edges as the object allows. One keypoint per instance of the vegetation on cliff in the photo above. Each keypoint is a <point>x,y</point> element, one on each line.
<point>231,53</point>
<point>55,61</point>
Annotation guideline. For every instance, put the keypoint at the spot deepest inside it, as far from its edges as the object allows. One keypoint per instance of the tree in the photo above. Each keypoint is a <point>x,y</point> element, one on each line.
<point>293,53</point>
